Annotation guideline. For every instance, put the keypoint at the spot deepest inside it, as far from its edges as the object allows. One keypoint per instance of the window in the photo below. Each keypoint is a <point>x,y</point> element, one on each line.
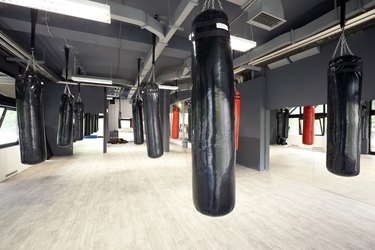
<point>8,127</point>
<point>296,120</point>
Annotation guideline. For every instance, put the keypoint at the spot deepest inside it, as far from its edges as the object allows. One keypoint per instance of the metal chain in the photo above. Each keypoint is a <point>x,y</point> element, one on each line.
<point>204,6</point>
<point>220,5</point>
<point>210,4</point>
<point>31,61</point>
<point>343,44</point>
<point>67,90</point>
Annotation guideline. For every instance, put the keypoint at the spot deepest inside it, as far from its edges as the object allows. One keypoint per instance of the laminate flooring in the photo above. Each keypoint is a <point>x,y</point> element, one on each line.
<point>124,200</point>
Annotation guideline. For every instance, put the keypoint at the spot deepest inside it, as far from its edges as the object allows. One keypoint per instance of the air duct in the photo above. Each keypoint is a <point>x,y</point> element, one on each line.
<point>266,14</point>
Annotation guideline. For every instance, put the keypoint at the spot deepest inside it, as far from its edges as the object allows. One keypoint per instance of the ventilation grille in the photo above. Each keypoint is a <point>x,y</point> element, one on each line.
<point>266,21</point>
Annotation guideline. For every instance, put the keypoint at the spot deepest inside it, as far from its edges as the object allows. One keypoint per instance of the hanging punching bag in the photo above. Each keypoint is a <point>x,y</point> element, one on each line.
<point>237,108</point>
<point>30,117</point>
<point>189,122</point>
<point>308,125</point>
<point>87,125</point>
<point>78,121</point>
<point>151,105</point>
<point>213,143</point>
<point>285,131</point>
<point>344,115</point>
<point>137,121</point>
<point>175,122</point>
<point>279,126</point>
<point>30,112</point>
<point>65,126</point>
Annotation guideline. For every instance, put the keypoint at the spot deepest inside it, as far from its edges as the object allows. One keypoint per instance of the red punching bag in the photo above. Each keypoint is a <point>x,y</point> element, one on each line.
<point>175,122</point>
<point>237,108</point>
<point>308,125</point>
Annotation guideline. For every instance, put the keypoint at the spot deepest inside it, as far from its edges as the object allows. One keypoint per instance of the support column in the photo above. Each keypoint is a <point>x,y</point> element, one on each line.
<point>165,123</point>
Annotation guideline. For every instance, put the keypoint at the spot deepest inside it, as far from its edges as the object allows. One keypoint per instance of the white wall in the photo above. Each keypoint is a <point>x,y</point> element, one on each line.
<point>10,161</point>
<point>126,113</point>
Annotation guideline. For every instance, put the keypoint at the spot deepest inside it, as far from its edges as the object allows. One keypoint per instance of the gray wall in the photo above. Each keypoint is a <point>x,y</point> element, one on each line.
<point>252,143</point>
<point>305,82</point>
<point>92,98</point>
<point>298,84</point>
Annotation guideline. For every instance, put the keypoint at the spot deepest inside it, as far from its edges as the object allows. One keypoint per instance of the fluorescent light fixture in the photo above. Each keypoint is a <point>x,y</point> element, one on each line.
<point>168,87</point>
<point>278,64</point>
<point>241,44</point>
<point>91,80</point>
<point>305,54</point>
<point>237,43</point>
<point>78,8</point>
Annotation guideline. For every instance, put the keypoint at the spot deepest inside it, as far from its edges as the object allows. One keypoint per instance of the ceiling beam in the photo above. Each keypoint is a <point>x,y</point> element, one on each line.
<point>179,16</point>
<point>127,14</point>
<point>140,45</point>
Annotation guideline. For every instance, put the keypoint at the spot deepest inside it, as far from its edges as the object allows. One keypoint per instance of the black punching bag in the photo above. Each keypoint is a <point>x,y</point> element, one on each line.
<point>344,115</point>
<point>65,126</point>
<point>285,131</point>
<point>78,121</point>
<point>151,106</point>
<point>213,141</point>
<point>87,125</point>
<point>137,121</point>
<point>30,116</point>
<point>279,126</point>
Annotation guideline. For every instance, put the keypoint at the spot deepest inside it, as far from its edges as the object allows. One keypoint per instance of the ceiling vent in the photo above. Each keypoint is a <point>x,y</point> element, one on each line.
<point>266,14</point>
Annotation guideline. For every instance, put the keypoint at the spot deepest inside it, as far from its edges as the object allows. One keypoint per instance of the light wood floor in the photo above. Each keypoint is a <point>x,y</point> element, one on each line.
<point>123,200</point>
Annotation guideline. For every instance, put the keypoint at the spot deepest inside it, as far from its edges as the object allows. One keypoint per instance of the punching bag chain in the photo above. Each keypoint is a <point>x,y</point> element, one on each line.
<point>342,43</point>
<point>210,4</point>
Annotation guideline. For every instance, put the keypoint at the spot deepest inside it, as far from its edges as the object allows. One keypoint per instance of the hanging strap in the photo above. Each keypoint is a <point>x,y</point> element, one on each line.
<point>79,93</point>
<point>67,50</point>
<point>34,17</point>
<point>153,53</point>
<point>342,14</point>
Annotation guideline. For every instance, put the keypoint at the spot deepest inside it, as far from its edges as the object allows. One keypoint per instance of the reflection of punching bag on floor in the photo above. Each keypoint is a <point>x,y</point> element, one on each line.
<point>78,117</point>
<point>282,129</point>
<point>237,114</point>
<point>213,141</point>
<point>308,125</point>
<point>175,122</point>
<point>344,109</point>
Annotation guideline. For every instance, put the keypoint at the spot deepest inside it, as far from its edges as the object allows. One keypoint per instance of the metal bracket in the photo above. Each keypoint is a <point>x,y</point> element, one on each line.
<point>251,67</point>
<point>16,59</point>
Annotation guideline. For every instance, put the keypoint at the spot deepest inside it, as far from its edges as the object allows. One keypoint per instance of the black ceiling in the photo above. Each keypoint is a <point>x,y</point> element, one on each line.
<point>97,46</point>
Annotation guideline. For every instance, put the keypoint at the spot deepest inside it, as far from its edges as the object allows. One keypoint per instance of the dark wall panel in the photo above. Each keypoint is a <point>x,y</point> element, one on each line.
<point>305,82</point>
<point>92,97</point>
